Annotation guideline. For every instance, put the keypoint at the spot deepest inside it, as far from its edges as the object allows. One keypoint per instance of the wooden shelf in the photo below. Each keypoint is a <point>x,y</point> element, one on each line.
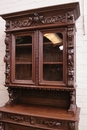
<point>23,63</point>
<point>46,43</point>
<point>52,62</point>
<point>22,45</point>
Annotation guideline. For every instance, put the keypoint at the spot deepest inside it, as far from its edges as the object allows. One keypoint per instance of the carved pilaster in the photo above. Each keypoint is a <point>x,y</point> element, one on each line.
<point>7,58</point>
<point>13,96</point>
<point>1,126</point>
<point>72,107</point>
<point>71,53</point>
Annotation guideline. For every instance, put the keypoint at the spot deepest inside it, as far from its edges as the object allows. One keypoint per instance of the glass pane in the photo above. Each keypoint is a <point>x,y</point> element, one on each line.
<point>23,40</point>
<point>24,54</point>
<point>23,60</point>
<point>52,72</point>
<point>53,57</point>
<point>23,72</point>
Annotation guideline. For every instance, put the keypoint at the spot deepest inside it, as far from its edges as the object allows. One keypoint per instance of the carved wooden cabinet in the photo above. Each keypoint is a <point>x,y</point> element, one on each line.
<point>40,72</point>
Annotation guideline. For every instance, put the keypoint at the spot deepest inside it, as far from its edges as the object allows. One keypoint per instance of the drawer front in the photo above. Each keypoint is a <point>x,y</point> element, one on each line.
<point>40,122</point>
<point>19,127</point>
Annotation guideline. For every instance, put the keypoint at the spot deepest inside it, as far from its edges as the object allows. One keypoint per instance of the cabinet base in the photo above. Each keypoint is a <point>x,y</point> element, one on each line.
<point>37,118</point>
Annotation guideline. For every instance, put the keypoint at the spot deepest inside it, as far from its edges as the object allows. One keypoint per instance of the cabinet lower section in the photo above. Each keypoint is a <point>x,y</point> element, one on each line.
<point>37,118</point>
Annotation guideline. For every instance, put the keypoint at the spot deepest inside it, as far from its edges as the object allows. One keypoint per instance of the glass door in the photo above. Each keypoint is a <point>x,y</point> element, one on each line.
<point>52,63</point>
<point>23,53</point>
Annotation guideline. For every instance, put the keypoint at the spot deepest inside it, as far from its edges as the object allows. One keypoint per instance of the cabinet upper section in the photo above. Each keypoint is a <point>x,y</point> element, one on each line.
<point>59,15</point>
<point>40,47</point>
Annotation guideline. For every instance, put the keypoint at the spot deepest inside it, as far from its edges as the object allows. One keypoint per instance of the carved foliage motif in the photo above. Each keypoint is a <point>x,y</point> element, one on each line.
<point>36,121</point>
<point>7,58</point>
<point>1,126</point>
<point>36,19</point>
<point>71,57</point>
<point>72,102</point>
<point>12,96</point>
<point>72,125</point>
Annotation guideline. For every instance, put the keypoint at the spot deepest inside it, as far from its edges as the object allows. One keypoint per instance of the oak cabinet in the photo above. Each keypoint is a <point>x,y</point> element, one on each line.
<point>40,72</point>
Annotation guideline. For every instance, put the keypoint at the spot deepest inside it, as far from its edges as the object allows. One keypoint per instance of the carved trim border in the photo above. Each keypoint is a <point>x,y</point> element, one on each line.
<point>37,20</point>
<point>35,121</point>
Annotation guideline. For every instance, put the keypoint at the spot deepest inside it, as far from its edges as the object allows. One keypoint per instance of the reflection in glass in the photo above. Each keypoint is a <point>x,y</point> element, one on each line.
<point>53,57</point>
<point>23,54</point>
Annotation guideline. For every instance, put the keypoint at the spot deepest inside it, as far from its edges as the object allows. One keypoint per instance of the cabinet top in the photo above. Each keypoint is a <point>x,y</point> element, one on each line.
<point>61,8</point>
<point>58,15</point>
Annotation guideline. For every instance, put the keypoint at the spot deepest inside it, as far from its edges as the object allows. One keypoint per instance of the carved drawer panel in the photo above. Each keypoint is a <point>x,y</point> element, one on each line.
<point>39,122</point>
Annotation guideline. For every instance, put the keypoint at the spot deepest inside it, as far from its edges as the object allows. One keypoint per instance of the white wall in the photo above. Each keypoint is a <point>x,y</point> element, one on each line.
<point>8,6</point>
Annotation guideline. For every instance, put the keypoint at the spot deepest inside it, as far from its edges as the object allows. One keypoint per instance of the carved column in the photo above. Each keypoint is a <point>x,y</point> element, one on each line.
<point>72,107</point>
<point>13,96</point>
<point>7,58</point>
<point>71,59</point>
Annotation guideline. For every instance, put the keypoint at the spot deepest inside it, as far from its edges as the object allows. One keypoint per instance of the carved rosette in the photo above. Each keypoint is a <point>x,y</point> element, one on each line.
<point>1,126</point>
<point>12,96</point>
<point>7,59</point>
<point>7,25</point>
<point>70,61</point>
<point>70,17</point>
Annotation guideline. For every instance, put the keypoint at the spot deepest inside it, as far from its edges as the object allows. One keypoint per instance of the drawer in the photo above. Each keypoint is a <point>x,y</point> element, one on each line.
<point>19,127</point>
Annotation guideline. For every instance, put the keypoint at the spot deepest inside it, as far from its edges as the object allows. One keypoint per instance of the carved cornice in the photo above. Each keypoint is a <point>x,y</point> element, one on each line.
<point>74,6</point>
